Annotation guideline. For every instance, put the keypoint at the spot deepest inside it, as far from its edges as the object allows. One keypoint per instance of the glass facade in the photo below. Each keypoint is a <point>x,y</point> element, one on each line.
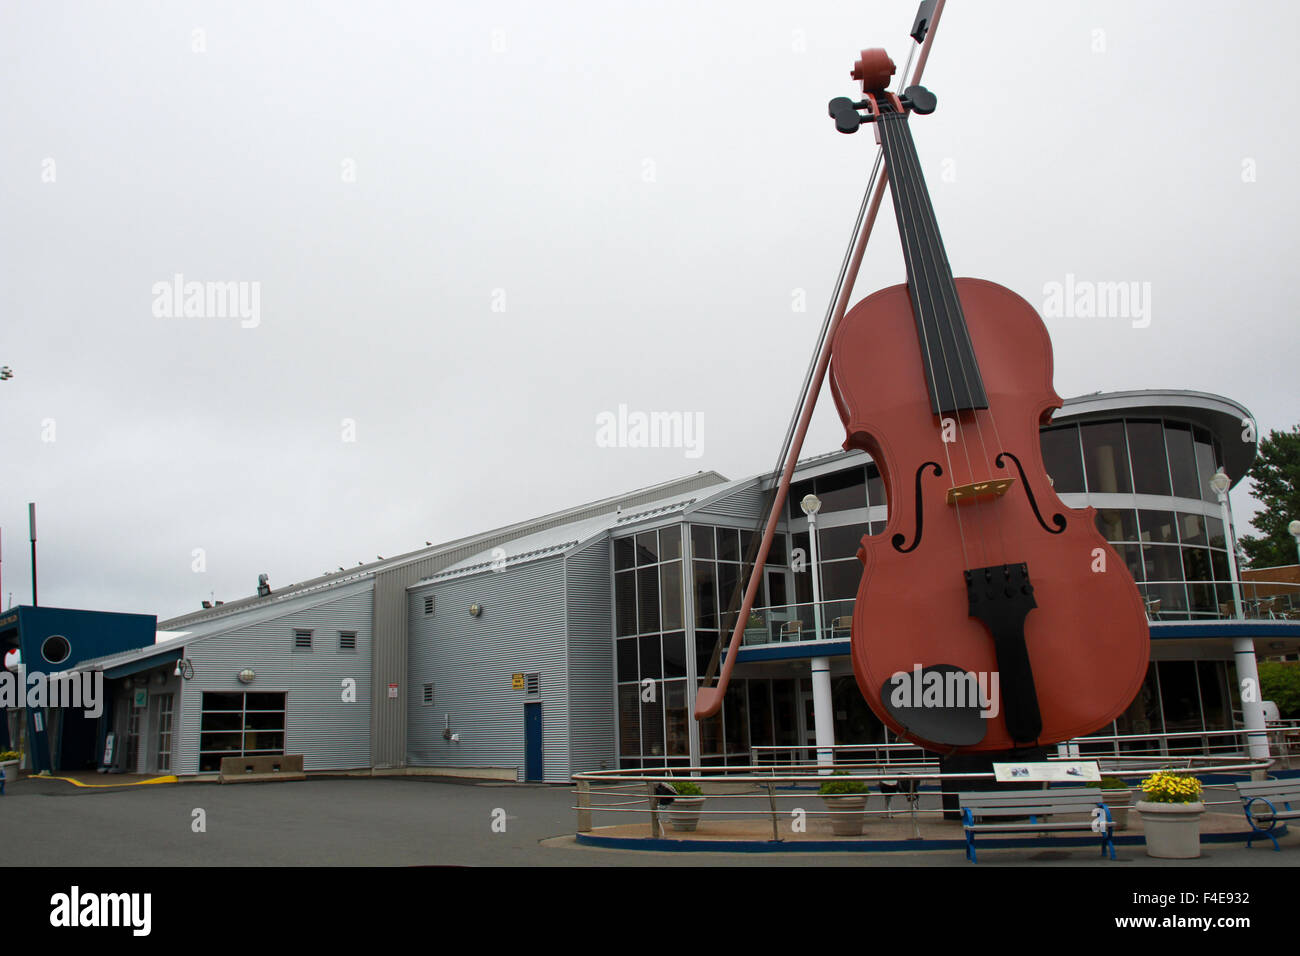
<point>1177,554</point>
<point>1147,477</point>
<point>650,648</point>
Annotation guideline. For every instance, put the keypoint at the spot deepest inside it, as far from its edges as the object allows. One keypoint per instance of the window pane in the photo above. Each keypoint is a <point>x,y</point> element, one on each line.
<point>652,727</point>
<point>1196,564</point>
<point>647,599</point>
<point>841,491</point>
<point>624,554</point>
<point>1191,529</point>
<point>706,594</point>
<point>627,660</point>
<point>1214,526</point>
<point>625,601</point>
<point>702,541</point>
<point>840,580</point>
<point>675,655</point>
<point>1132,555</point>
<point>647,547</point>
<point>1106,457</point>
<point>736,711</point>
<point>677,723</point>
<point>728,544</point>
<point>875,487</point>
<point>670,543</point>
<point>265,702</point>
<point>1182,460</point>
<point>629,720</point>
<point>1146,446</point>
<point>1158,527</point>
<point>670,578</point>
<point>1062,458</point>
<point>841,542</point>
<point>1116,525</point>
<point>777,554</point>
<point>728,600</point>
<point>650,663</point>
<point>1205,465</point>
<point>705,642</point>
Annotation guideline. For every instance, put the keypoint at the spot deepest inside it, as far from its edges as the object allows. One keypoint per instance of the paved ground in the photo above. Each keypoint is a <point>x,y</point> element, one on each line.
<point>409,821</point>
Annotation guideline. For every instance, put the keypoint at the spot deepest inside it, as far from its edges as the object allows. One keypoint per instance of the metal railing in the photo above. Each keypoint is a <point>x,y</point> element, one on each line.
<point>1165,601</point>
<point>788,623</point>
<point>753,802</point>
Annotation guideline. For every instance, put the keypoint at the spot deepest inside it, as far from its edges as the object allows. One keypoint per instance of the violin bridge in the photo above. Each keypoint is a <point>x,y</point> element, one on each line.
<point>993,488</point>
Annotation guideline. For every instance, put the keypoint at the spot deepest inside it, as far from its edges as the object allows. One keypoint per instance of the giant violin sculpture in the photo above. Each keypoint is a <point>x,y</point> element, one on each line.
<point>982,576</point>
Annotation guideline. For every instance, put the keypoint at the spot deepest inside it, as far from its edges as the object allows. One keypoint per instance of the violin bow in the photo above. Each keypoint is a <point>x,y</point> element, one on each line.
<point>708,700</point>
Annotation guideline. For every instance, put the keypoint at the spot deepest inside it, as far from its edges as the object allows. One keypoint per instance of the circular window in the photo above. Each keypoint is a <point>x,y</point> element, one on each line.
<point>56,649</point>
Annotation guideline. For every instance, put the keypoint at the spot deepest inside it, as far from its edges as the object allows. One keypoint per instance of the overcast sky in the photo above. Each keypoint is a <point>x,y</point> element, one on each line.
<point>473,229</point>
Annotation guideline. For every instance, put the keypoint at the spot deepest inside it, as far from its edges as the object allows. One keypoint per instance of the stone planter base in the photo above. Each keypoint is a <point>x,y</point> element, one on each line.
<point>848,814</point>
<point>1173,830</point>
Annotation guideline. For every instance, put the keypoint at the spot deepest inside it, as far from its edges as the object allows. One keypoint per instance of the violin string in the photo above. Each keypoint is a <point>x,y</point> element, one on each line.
<point>955,322</point>
<point>898,184</point>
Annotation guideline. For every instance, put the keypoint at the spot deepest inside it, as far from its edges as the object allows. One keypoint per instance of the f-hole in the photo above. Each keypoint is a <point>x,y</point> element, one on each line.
<point>898,539</point>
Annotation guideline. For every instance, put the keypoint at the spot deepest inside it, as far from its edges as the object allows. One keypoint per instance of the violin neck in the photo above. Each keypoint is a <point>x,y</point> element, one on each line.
<point>950,367</point>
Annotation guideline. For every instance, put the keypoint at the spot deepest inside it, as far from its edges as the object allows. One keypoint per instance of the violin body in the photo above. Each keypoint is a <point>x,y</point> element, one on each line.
<point>1084,625</point>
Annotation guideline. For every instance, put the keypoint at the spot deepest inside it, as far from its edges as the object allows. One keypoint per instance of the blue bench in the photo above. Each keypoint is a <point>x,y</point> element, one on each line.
<point>1260,801</point>
<point>979,809</point>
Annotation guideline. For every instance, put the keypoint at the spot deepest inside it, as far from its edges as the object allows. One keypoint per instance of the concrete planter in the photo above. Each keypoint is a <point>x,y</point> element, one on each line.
<point>1173,830</point>
<point>10,769</point>
<point>685,815</point>
<point>848,813</point>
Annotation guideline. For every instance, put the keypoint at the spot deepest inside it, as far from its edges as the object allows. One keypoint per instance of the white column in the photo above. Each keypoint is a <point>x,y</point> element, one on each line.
<point>823,713</point>
<point>1243,648</point>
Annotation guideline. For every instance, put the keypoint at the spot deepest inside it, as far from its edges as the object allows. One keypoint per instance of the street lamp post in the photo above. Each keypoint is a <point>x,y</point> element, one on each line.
<point>1243,648</point>
<point>823,712</point>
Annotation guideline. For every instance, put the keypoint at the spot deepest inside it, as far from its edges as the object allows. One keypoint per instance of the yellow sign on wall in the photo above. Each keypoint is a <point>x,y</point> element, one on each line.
<point>517,681</point>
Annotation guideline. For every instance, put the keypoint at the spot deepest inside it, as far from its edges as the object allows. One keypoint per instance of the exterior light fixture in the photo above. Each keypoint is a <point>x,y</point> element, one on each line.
<point>1220,483</point>
<point>184,669</point>
<point>811,504</point>
<point>475,610</point>
<point>246,675</point>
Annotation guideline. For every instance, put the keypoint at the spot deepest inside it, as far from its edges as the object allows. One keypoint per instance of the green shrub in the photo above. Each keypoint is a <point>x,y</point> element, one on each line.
<point>1109,783</point>
<point>843,788</point>
<point>11,755</point>
<point>685,788</point>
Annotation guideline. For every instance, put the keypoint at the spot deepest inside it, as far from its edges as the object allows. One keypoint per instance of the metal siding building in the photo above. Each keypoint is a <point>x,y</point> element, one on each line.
<point>469,660</point>
<point>330,733</point>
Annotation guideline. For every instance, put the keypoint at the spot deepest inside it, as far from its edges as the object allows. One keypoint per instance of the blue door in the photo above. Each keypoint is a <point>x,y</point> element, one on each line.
<point>533,741</point>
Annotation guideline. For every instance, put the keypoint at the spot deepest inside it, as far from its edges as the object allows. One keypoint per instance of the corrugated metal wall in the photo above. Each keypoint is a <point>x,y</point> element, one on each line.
<point>591,657</point>
<point>388,738</point>
<point>745,503</point>
<point>331,734</point>
<point>470,661</point>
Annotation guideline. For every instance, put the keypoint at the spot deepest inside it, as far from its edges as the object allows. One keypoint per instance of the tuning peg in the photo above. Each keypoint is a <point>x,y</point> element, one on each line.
<point>919,100</point>
<point>845,113</point>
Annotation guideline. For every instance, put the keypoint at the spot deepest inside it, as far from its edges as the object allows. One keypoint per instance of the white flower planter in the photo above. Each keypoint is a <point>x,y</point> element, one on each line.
<point>1173,830</point>
<point>848,813</point>
<point>685,813</point>
<point>10,770</point>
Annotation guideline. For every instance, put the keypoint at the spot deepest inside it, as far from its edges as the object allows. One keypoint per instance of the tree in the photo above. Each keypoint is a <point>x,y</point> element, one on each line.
<point>1280,683</point>
<point>1275,484</point>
